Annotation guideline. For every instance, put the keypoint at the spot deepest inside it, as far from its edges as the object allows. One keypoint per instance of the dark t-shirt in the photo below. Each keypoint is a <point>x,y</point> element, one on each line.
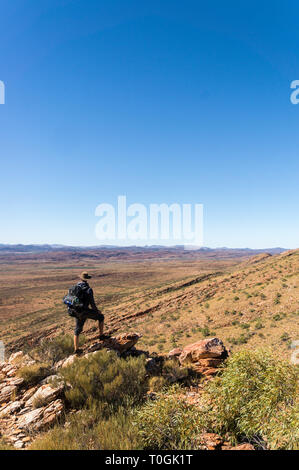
<point>88,295</point>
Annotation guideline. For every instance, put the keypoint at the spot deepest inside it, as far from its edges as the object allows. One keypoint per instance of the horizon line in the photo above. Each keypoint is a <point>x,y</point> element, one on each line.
<point>192,247</point>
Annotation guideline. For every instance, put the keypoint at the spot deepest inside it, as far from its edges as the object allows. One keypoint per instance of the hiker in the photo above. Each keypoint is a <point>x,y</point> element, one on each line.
<point>81,313</point>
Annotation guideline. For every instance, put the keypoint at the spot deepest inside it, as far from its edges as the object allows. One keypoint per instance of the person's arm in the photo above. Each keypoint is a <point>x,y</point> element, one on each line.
<point>92,301</point>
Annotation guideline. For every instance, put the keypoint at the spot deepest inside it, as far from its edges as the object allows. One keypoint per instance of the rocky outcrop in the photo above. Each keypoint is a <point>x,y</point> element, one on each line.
<point>10,408</point>
<point>204,356</point>
<point>26,410</point>
<point>175,353</point>
<point>7,392</point>
<point>245,446</point>
<point>212,441</point>
<point>40,418</point>
<point>45,394</point>
<point>121,343</point>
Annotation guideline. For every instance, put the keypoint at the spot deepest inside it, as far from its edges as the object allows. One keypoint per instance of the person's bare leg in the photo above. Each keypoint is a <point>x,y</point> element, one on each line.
<point>76,342</point>
<point>101,327</point>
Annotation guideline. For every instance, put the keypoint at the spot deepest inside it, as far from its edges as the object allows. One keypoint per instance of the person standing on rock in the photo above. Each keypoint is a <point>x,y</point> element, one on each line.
<point>84,312</point>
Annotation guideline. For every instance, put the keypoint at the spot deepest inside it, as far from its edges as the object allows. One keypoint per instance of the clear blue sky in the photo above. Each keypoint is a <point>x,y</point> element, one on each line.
<point>164,101</point>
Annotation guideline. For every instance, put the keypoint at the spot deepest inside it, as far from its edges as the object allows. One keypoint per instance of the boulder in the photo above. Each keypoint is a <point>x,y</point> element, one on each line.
<point>16,357</point>
<point>45,394</point>
<point>52,413</point>
<point>174,353</point>
<point>19,444</point>
<point>20,359</point>
<point>245,446</point>
<point>66,362</point>
<point>8,369</point>
<point>206,348</point>
<point>7,392</point>
<point>10,409</point>
<point>210,441</point>
<point>51,378</point>
<point>206,371</point>
<point>17,381</point>
<point>209,362</point>
<point>40,418</point>
<point>120,343</point>
<point>29,393</point>
<point>124,342</point>
<point>30,419</point>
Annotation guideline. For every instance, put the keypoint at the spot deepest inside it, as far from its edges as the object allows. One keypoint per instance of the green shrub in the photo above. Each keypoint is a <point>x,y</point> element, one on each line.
<point>168,424</point>
<point>52,350</point>
<point>156,384</point>
<point>256,397</point>
<point>87,430</point>
<point>32,374</point>
<point>277,317</point>
<point>242,339</point>
<point>206,331</point>
<point>259,325</point>
<point>285,337</point>
<point>5,446</point>
<point>104,377</point>
<point>172,372</point>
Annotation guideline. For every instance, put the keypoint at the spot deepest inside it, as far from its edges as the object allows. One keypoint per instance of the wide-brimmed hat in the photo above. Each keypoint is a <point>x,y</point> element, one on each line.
<point>85,276</point>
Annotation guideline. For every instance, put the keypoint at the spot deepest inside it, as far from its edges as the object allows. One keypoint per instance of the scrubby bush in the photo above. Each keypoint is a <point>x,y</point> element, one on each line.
<point>206,331</point>
<point>285,336</point>
<point>259,325</point>
<point>254,399</point>
<point>257,397</point>
<point>87,430</point>
<point>169,423</point>
<point>157,383</point>
<point>54,349</point>
<point>104,377</point>
<point>34,373</point>
<point>5,446</point>
<point>173,372</point>
<point>104,388</point>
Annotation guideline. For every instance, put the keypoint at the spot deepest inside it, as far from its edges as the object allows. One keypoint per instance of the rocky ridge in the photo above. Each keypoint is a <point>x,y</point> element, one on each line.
<point>25,410</point>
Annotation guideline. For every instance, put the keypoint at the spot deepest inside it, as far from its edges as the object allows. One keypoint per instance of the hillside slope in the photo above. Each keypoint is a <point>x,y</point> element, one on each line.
<point>255,305</point>
<point>172,304</point>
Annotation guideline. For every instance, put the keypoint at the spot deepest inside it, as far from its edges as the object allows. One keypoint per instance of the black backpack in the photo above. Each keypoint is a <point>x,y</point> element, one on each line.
<point>75,298</point>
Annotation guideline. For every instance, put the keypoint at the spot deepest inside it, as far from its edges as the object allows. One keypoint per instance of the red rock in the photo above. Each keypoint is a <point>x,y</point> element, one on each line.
<point>174,353</point>
<point>211,371</point>
<point>7,393</point>
<point>206,348</point>
<point>10,409</point>
<point>243,447</point>
<point>120,343</point>
<point>46,393</point>
<point>210,362</point>
<point>211,441</point>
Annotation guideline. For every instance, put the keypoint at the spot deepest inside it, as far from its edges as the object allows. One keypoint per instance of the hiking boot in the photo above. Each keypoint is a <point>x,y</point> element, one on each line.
<point>78,351</point>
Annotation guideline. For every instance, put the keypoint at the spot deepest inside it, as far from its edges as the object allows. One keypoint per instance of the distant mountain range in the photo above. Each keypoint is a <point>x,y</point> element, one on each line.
<point>20,248</point>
